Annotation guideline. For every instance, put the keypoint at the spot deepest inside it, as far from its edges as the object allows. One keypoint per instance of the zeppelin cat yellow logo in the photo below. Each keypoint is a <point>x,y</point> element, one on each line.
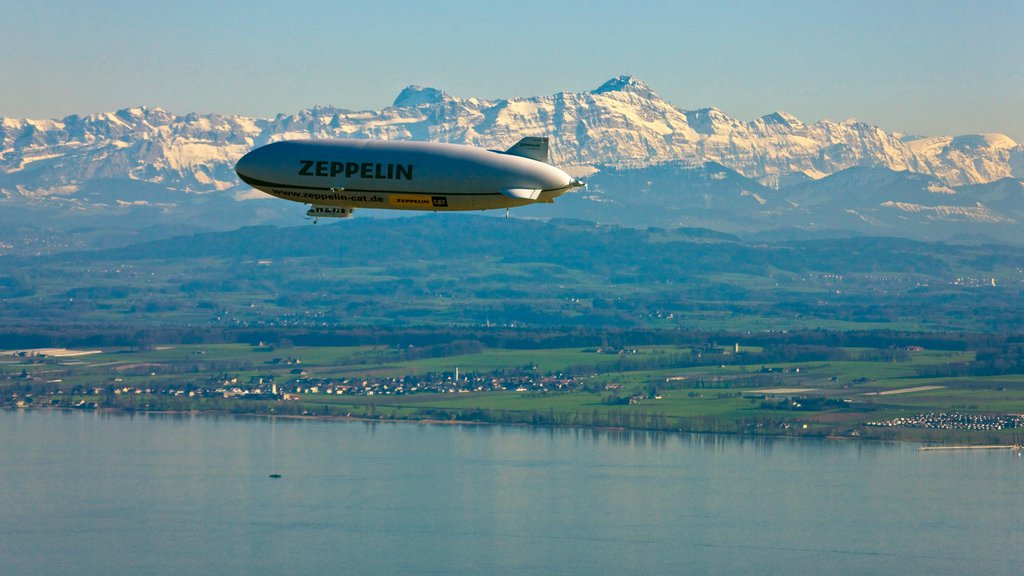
<point>399,200</point>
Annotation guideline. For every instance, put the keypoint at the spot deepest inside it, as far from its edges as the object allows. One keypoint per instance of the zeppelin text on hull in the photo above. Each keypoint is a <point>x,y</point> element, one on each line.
<point>356,170</point>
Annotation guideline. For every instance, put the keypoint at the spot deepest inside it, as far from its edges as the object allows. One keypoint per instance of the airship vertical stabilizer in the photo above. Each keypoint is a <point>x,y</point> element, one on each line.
<point>532,147</point>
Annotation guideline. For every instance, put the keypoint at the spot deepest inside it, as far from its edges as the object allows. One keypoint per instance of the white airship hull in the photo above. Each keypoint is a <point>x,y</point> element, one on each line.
<point>404,175</point>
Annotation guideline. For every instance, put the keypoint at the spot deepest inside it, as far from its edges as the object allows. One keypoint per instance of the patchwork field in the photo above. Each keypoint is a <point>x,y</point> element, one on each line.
<point>564,386</point>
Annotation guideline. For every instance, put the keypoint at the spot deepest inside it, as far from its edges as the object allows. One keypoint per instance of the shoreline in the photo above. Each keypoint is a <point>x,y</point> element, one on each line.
<point>923,445</point>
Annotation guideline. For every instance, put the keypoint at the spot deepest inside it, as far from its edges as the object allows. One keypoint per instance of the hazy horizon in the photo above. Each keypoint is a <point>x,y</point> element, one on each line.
<point>928,68</point>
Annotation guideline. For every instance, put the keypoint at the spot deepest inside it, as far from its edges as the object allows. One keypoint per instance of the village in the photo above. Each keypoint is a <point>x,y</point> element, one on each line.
<point>299,383</point>
<point>225,379</point>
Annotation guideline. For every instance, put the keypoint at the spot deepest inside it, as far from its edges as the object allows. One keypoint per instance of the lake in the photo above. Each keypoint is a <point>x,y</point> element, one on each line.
<point>98,493</point>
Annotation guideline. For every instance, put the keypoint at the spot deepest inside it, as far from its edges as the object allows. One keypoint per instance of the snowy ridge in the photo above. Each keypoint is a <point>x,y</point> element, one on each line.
<point>977,212</point>
<point>622,123</point>
<point>647,163</point>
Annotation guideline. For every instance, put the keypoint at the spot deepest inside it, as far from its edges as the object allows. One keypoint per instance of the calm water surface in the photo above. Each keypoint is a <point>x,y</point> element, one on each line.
<point>85,493</point>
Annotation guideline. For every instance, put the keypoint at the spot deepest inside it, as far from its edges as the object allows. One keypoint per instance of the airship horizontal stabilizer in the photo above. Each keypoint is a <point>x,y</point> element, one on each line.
<point>521,193</point>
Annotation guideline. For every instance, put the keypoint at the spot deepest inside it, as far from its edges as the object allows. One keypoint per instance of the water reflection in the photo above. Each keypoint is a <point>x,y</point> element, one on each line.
<point>86,491</point>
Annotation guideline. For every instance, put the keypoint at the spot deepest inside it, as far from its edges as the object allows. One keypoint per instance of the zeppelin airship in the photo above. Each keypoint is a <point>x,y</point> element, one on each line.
<point>337,176</point>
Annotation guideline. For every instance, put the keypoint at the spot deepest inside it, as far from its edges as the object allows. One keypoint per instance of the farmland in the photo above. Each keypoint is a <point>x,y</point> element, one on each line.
<point>564,386</point>
<point>549,323</point>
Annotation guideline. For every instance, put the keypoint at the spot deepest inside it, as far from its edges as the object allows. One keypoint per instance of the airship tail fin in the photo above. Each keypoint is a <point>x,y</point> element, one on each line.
<point>532,147</point>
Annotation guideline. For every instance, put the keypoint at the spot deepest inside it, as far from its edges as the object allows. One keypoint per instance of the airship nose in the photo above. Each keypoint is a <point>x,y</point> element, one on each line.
<point>244,164</point>
<point>247,167</point>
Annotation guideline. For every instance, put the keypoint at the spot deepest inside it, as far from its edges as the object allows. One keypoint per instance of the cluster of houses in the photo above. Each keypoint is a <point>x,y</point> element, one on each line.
<point>265,388</point>
<point>298,382</point>
<point>955,421</point>
<point>426,385</point>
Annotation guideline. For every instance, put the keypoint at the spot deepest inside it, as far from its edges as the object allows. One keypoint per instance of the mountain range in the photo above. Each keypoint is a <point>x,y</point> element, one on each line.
<point>647,162</point>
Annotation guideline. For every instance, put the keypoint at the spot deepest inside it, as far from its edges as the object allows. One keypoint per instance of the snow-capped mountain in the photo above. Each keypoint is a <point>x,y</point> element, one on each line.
<point>623,123</point>
<point>776,167</point>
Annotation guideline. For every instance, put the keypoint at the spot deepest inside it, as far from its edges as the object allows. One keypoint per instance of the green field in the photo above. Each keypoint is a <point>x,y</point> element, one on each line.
<point>812,397</point>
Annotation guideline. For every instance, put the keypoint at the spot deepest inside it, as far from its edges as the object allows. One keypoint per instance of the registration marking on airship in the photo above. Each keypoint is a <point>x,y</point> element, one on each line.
<point>337,176</point>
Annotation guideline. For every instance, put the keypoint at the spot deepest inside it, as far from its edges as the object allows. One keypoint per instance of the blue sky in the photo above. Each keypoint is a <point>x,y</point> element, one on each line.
<point>935,67</point>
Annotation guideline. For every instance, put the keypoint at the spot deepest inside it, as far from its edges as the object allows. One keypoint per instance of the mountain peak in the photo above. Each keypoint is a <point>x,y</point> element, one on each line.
<point>991,140</point>
<point>626,83</point>
<point>139,112</point>
<point>414,95</point>
<point>782,118</point>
